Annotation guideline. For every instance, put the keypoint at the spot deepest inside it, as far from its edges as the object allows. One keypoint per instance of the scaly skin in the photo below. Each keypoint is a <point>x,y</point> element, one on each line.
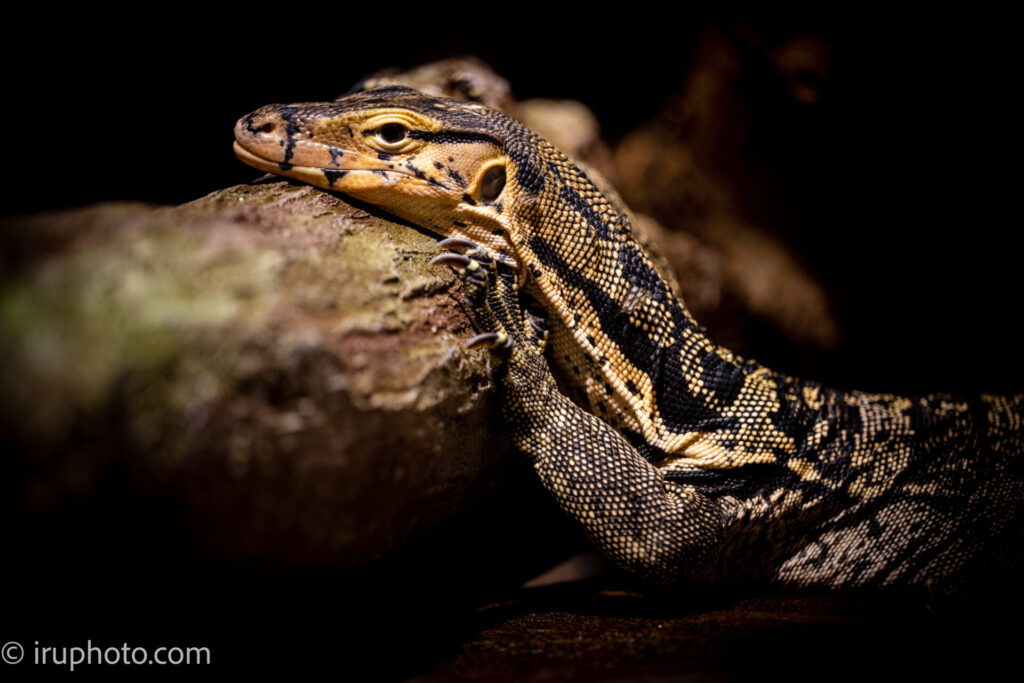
<point>691,462</point>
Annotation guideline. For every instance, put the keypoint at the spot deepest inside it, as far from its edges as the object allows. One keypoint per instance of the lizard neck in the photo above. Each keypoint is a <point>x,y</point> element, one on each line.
<point>643,362</point>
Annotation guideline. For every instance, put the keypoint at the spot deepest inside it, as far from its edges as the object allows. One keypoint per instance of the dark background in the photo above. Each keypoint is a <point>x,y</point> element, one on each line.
<point>142,107</point>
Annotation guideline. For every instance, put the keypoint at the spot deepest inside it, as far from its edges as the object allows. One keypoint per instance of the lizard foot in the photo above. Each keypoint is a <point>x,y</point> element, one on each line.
<point>494,302</point>
<point>473,265</point>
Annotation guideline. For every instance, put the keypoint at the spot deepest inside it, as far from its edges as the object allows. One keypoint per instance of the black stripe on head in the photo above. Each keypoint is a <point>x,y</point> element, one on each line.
<point>528,174</point>
<point>333,175</point>
<point>416,171</point>
<point>288,115</point>
<point>248,124</point>
<point>383,96</point>
<point>392,90</point>
<point>457,177</point>
<point>455,136</point>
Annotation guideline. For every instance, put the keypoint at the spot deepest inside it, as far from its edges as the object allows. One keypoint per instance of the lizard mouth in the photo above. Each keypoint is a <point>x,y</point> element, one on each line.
<point>341,179</point>
<point>351,179</point>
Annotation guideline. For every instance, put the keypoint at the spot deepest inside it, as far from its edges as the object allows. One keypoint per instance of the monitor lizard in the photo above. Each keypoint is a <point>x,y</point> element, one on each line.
<point>679,459</point>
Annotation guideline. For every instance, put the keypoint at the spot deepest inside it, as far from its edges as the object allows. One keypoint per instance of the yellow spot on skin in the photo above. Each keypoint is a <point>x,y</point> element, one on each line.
<point>806,470</point>
<point>812,397</point>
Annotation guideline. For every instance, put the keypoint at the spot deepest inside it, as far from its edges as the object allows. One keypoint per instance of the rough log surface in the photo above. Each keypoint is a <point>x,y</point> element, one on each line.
<point>271,362</point>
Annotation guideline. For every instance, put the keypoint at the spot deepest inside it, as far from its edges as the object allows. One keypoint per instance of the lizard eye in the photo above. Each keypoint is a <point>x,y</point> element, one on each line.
<point>392,133</point>
<point>492,183</point>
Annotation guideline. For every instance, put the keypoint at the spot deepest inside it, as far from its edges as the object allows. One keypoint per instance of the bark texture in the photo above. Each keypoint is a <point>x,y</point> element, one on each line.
<point>278,368</point>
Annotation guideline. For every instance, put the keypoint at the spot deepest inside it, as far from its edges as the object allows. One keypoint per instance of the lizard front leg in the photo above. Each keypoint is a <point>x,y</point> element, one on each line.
<point>659,530</point>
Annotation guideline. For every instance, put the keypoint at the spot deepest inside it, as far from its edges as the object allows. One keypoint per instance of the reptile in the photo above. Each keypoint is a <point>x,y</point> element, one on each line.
<point>680,460</point>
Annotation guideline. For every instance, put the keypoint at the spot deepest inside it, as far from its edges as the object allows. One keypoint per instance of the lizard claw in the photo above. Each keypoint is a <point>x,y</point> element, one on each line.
<point>457,244</point>
<point>492,340</point>
<point>482,278</point>
<point>452,259</point>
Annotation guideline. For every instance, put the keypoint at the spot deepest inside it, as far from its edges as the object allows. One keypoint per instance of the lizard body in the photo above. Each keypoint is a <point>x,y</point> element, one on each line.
<point>688,461</point>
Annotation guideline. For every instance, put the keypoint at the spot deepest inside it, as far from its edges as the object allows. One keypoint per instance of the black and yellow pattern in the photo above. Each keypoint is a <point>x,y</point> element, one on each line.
<point>691,462</point>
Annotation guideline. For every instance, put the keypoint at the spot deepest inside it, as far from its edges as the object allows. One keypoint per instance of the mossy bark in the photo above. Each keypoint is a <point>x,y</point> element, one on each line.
<point>278,368</point>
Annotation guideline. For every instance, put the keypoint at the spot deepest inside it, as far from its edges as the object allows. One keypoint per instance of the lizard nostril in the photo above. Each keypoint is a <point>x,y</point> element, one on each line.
<point>267,128</point>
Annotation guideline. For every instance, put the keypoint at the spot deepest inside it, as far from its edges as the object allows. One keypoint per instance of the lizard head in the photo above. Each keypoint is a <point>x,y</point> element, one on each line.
<point>439,163</point>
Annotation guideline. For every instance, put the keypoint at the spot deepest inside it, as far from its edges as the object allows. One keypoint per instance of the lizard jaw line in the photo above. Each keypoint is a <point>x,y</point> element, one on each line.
<point>320,177</point>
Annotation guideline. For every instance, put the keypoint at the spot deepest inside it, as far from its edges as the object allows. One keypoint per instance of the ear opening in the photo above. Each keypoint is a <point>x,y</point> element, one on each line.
<point>491,182</point>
